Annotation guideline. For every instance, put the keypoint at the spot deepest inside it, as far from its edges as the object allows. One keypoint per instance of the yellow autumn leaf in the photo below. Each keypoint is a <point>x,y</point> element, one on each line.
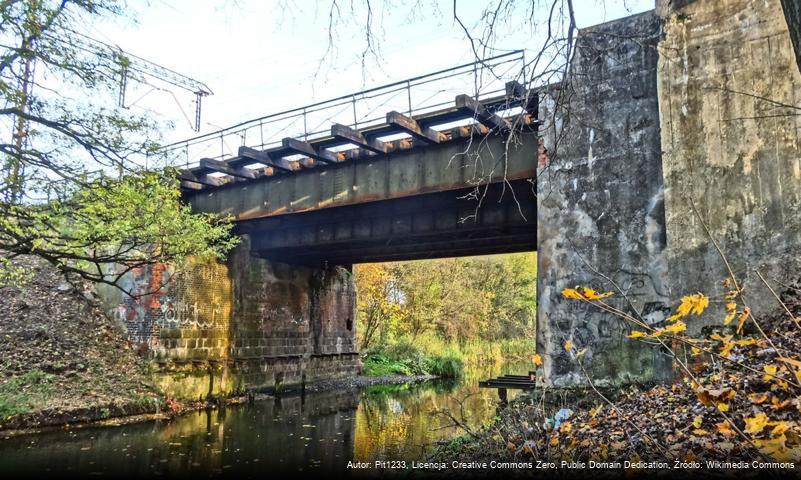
<point>700,302</point>
<point>591,294</point>
<point>742,318</point>
<point>677,327</point>
<point>718,337</point>
<point>770,372</point>
<point>536,359</point>
<point>566,427</point>
<point>637,334</point>
<point>731,306</point>
<point>775,448</point>
<point>724,428</point>
<point>695,351</point>
<point>595,411</point>
<point>725,350</point>
<point>729,317</point>
<point>697,421</point>
<point>756,423</point>
<point>779,429</point>
<point>584,293</point>
<point>790,361</point>
<point>568,345</point>
<point>695,304</point>
<point>732,294</point>
<point>723,407</point>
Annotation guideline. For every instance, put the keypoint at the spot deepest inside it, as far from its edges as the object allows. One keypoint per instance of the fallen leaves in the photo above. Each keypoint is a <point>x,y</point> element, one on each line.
<point>709,397</point>
<point>725,407</point>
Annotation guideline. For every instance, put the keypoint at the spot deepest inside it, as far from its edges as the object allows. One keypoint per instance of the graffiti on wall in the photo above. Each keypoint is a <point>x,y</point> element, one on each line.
<point>196,297</point>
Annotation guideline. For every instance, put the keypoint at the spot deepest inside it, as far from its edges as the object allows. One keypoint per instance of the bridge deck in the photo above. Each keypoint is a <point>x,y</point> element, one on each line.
<point>516,109</point>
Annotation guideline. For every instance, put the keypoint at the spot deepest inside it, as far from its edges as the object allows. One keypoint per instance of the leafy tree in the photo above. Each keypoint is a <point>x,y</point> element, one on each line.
<point>378,305</point>
<point>459,299</point>
<point>72,188</point>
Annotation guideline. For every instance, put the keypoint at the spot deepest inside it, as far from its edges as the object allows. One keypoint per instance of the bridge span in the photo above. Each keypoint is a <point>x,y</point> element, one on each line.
<point>461,190</point>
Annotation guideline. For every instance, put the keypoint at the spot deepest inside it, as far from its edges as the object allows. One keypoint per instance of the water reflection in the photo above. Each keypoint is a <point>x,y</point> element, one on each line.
<point>320,432</point>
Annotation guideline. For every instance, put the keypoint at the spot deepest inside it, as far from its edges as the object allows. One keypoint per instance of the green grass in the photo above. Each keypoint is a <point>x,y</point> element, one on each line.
<point>406,358</point>
<point>430,354</point>
<point>21,394</point>
<point>446,366</point>
<point>396,360</point>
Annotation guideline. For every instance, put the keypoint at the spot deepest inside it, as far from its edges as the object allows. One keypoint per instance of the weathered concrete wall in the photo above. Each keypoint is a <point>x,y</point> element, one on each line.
<point>600,207</point>
<point>729,95</point>
<point>246,324</point>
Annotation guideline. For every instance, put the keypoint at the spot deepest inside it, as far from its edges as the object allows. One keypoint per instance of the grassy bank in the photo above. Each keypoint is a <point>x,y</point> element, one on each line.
<point>429,354</point>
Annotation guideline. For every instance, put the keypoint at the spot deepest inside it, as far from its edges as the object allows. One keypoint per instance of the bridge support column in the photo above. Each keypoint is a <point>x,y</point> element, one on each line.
<point>600,209</point>
<point>291,321</point>
<point>249,323</point>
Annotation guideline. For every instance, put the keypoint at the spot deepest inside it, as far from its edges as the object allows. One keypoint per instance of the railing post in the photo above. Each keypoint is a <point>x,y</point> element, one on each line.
<point>409,95</point>
<point>261,132</point>
<point>305,128</point>
<point>355,120</point>
<point>475,79</point>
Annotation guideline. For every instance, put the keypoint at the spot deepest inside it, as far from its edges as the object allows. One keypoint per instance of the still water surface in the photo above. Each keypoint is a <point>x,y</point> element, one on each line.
<point>319,432</point>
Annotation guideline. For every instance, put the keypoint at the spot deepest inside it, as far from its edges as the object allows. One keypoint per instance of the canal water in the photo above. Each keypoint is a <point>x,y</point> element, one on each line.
<point>319,432</point>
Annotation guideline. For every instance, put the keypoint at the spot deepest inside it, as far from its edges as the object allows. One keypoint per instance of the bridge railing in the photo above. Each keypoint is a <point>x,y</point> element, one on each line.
<point>413,96</point>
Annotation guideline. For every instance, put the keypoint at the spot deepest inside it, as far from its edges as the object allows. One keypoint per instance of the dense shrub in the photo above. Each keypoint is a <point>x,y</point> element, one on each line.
<point>446,366</point>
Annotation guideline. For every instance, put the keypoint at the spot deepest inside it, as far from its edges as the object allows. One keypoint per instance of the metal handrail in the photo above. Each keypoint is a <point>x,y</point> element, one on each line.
<point>345,102</point>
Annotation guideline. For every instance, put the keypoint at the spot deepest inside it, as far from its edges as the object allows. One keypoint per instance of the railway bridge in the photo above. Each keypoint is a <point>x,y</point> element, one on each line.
<point>671,126</point>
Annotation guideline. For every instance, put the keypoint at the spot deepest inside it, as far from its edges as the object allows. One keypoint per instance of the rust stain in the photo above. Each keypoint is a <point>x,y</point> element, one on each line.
<point>542,153</point>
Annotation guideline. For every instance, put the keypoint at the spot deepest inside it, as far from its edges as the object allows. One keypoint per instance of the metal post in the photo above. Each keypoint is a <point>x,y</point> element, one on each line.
<point>355,120</point>
<point>475,80</point>
<point>305,128</point>
<point>198,99</point>
<point>409,95</point>
<point>261,132</point>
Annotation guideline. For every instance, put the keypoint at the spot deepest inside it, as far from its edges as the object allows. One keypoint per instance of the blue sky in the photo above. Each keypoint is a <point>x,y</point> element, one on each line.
<point>261,56</point>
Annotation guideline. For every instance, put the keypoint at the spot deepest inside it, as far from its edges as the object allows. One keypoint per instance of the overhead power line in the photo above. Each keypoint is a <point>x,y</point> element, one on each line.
<point>137,68</point>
